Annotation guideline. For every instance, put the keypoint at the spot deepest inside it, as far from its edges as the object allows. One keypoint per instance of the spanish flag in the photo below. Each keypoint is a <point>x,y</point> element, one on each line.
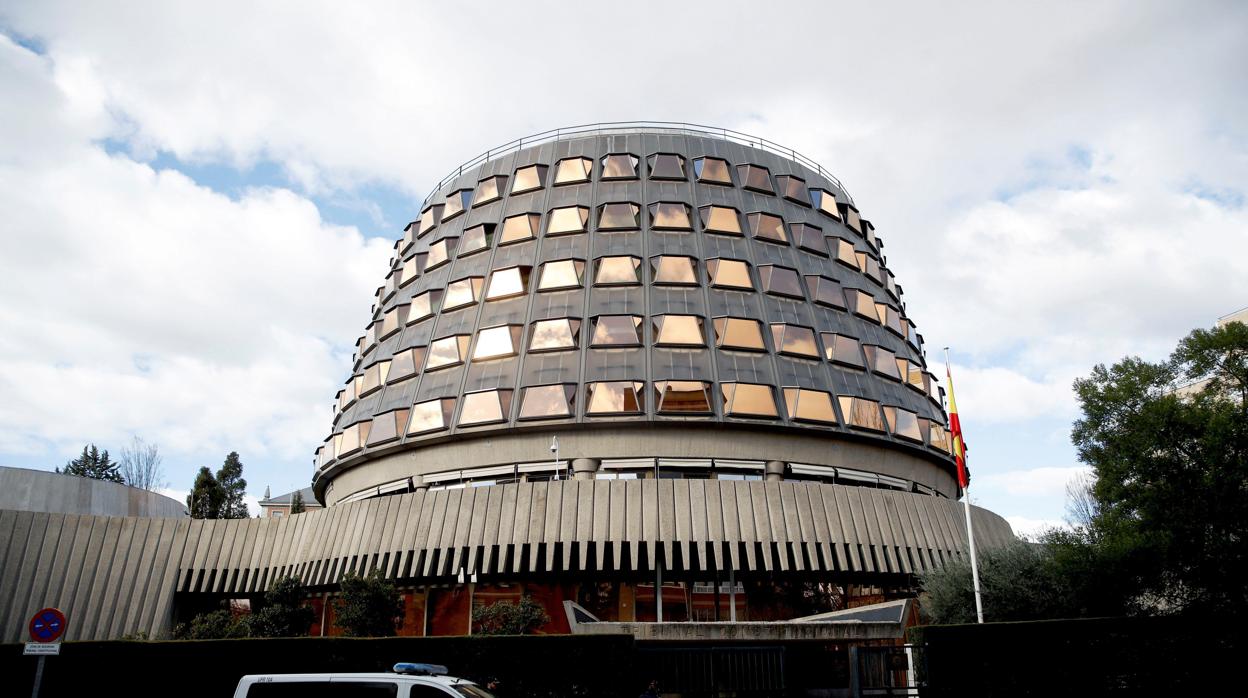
<point>955,430</point>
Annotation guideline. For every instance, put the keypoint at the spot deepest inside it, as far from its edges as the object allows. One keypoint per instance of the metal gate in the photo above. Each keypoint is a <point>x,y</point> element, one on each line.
<point>712,672</point>
<point>881,671</point>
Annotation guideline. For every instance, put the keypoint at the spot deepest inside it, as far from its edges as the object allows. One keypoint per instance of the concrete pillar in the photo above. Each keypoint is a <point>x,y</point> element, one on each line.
<point>418,483</point>
<point>773,471</point>
<point>584,468</point>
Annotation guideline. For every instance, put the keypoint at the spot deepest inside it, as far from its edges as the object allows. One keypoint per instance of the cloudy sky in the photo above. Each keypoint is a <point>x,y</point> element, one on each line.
<point>196,205</point>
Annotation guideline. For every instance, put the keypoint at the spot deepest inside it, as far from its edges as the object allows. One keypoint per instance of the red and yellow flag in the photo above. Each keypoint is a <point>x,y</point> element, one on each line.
<point>955,430</point>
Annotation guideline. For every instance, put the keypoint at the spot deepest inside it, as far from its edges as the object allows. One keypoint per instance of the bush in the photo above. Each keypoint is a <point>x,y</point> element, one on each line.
<point>369,606</point>
<point>283,613</point>
<point>509,618</point>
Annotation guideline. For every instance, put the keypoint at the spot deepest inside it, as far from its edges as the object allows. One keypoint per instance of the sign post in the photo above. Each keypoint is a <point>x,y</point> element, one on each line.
<point>46,628</point>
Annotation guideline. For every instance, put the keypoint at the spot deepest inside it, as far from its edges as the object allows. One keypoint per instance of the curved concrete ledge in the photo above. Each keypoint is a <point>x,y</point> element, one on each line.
<point>39,490</point>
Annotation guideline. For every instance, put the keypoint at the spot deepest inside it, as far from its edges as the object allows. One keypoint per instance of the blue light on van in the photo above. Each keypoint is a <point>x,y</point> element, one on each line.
<point>420,669</point>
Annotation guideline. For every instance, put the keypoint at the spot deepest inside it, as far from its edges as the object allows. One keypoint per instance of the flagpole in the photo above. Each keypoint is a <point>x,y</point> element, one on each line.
<point>970,532</point>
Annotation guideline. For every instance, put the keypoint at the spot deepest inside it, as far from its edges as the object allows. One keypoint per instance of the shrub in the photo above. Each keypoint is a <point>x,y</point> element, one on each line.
<point>509,618</point>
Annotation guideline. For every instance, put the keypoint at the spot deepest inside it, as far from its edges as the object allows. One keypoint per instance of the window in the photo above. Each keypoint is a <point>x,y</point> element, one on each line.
<point>674,270</point>
<point>617,271</point>
<point>354,437</point>
<point>825,291</point>
<point>546,401</point>
<point>448,351</point>
<point>755,177</point>
<point>429,219</point>
<point>463,292</point>
<point>374,377</point>
<point>325,689</point>
<point>729,273</point>
<point>667,166</point>
<point>749,400</point>
<point>809,405</point>
<point>519,228</point>
<point>561,274</point>
<point>489,189</point>
<point>842,349</point>
<point>618,216</point>
<point>888,316</point>
<point>567,220</point>
<point>678,331</point>
<point>940,438</point>
<point>615,397</point>
<point>424,305</point>
<point>768,227</point>
<point>497,342</point>
<point>850,215</point>
<point>882,361</point>
<point>794,189</point>
<point>683,397</point>
<point>431,415</point>
<point>721,219</point>
<point>845,253</point>
<point>861,413</point>
<point>573,170</point>
<point>485,407</point>
<point>825,202</point>
<point>739,333</point>
<point>868,232</point>
<point>914,376</point>
<point>554,335</point>
<point>616,330</point>
<point>862,304</point>
<point>387,427</point>
<point>409,272</point>
<point>780,281</point>
<point>456,202</point>
<point>508,283</point>
<point>619,166</point>
<point>903,423</point>
<point>440,253</point>
<point>346,396</point>
<point>670,215</point>
<point>477,238</point>
<point>528,179</point>
<point>712,171</point>
<point>809,238</point>
<point>794,340</point>
<point>405,363</point>
<point>869,266</point>
<point>393,320</point>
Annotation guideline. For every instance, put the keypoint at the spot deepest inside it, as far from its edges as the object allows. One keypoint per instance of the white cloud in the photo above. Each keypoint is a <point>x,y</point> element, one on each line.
<point>1032,528</point>
<point>1035,482</point>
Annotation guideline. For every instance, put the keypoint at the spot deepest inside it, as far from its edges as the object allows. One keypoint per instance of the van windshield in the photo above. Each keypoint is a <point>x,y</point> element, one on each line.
<point>472,691</point>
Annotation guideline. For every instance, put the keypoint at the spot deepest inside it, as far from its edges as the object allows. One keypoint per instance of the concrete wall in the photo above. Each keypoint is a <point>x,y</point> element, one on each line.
<point>40,490</point>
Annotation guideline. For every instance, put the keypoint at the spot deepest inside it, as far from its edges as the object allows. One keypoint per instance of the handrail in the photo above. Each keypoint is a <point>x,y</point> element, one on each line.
<point>637,126</point>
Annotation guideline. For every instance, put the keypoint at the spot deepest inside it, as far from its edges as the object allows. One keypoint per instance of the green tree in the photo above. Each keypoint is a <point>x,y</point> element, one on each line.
<point>283,613</point>
<point>297,505</point>
<point>369,606</point>
<point>233,487</point>
<point>521,617</point>
<point>213,625</point>
<point>206,497</point>
<point>93,464</point>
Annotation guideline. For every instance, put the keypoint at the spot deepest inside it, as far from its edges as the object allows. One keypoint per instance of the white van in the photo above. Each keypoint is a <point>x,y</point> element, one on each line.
<point>409,680</point>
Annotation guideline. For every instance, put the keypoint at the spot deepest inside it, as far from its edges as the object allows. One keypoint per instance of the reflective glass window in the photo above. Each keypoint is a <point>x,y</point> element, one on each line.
<point>497,342</point>
<point>825,291</point>
<point>888,316</point>
<point>678,331</point>
<point>617,271</point>
<point>869,266</point>
<point>845,253</point>
<point>618,216</point>
<point>670,215</point>
<point>825,202</point>
<point>546,401</point>
<point>780,281</point>
<point>573,170</point>
<point>851,218</point>
<point>489,189</point>
<point>861,413</point>
<point>809,405</point>
<point>566,220</point>
<point>409,272</point>
<point>675,270</point>
<point>456,202</point>
<point>374,377</point>
<point>429,219</point>
<point>485,407</point>
<point>554,335</point>
<point>463,292</point>
<point>561,274</point>
<point>749,400</point>
<point>721,219</point>
<point>842,349</point>
<point>393,320</point>
<point>431,415</point>
<point>765,226</point>
<point>620,166</point>
<point>519,228</point>
<point>683,397</point>
<point>405,363</point>
<point>387,427</point>
<point>616,330</point>
<point>739,333</point>
<point>868,232</point>
<point>729,273</point>
<point>862,304</point>
<point>346,396</point>
<point>882,361</point>
<point>667,166</point>
<point>476,238</point>
<point>809,238</point>
<point>528,179</point>
<point>353,437</point>
<point>440,253</point>
<point>903,423</point>
<point>755,177</point>
<point>940,438</point>
<point>615,397</point>
<point>424,305</point>
<point>712,171</point>
<point>793,188</point>
<point>509,282</point>
<point>448,351</point>
<point>794,340</point>
<point>915,377</point>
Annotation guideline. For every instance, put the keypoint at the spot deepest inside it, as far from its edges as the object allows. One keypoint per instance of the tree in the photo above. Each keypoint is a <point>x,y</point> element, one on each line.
<point>206,497</point>
<point>233,487</point>
<point>93,464</point>
<point>521,617</point>
<point>297,505</point>
<point>369,606</point>
<point>140,465</point>
<point>283,613</point>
